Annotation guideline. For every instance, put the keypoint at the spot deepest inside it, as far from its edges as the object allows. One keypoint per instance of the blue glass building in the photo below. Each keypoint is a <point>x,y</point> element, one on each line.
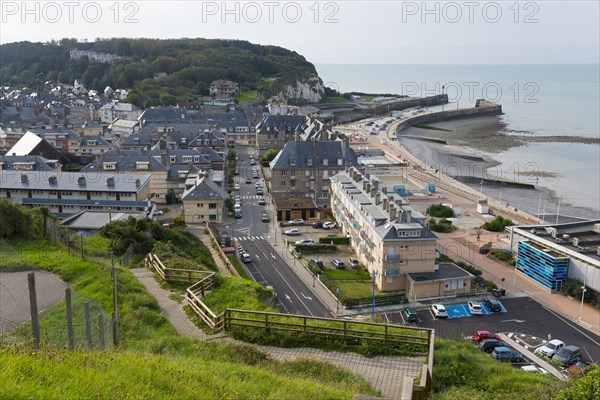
<point>546,266</point>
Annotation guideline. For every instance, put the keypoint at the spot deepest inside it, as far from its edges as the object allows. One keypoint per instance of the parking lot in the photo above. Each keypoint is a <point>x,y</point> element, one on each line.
<point>520,315</point>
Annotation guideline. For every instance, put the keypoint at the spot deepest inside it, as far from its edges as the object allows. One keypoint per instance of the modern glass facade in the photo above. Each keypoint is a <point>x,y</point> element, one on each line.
<point>545,266</point>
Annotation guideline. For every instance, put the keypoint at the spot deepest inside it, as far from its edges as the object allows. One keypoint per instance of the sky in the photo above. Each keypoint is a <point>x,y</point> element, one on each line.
<point>335,32</point>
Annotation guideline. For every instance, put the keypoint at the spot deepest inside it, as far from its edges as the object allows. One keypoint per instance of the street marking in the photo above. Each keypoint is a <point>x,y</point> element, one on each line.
<point>306,297</point>
<point>513,320</point>
<point>289,298</point>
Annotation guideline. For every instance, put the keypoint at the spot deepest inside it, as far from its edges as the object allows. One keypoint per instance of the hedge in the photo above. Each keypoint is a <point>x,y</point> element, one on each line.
<point>316,248</point>
<point>334,240</point>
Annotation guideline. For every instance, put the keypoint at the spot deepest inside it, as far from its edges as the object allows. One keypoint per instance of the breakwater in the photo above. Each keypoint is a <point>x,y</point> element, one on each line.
<point>482,108</point>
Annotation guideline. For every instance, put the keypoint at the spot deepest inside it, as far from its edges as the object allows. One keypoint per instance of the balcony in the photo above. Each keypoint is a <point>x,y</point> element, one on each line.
<point>391,272</point>
<point>392,257</point>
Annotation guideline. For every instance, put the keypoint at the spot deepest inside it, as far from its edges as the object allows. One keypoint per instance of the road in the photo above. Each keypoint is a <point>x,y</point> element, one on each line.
<point>268,268</point>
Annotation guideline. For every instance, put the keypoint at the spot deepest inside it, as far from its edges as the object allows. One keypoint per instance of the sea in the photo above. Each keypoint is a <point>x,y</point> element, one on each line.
<point>537,100</point>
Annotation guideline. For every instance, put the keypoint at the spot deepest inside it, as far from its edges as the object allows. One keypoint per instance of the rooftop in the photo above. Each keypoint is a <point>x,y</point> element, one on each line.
<point>444,272</point>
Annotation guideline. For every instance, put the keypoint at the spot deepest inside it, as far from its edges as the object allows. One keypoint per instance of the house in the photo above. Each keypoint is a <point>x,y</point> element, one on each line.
<point>29,163</point>
<point>123,128</point>
<point>398,250</point>
<point>31,144</point>
<point>169,116</point>
<point>66,193</point>
<point>224,87</point>
<point>111,111</point>
<point>303,168</point>
<point>203,202</point>
<point>274,131</point>
<point>86,110</point>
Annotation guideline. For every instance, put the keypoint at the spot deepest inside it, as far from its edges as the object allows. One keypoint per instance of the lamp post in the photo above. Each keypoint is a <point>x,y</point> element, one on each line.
<point>337,304</point>
<point>109,215</point>
<point>583,289</point>
<point>373,295</point>
<point>481,189</point>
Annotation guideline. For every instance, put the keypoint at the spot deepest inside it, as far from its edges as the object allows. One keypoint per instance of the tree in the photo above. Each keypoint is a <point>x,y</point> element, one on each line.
<point>268,157</point>
<point>15,220</point>
<point>440,211</point>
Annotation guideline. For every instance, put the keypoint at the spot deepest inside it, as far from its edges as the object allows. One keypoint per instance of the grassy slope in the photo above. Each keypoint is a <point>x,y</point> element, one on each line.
<point>462,372</point>
<point>137,372</point>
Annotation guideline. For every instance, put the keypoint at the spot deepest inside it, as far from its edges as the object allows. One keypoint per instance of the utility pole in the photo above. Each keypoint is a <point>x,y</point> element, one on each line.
<point>115,316</point>
<point>70,335</point>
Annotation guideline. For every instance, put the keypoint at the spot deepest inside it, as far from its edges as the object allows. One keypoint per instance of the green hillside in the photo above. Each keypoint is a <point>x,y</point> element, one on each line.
<point>190,64</point>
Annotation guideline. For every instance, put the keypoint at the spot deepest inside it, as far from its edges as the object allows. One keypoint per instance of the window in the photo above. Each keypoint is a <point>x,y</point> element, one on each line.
<point>173,159</point>
<point>307,173</point>
<point>292,184</point>
<point>283,172</point>
<point>293,162</point>
<point>212,217</point>
<point>186,159</point>
<point>212,205</point>
<point>283,183</point>
<point>340,162</point>
<point>309,162</point>
<point>325,162</point>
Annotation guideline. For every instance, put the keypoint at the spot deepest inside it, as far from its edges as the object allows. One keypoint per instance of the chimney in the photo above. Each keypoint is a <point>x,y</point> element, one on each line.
<point>377,198</point>
<point>24,178</point>
<point>385,202</point>
<point>110,181</point>
<point>373,191</point>
<point>345,144</point>
<point>408,215</point>
<point>399,215</point>
<point>366,186</point>
<point>315,148</point>
<point>81,180</point>
<point>384,189</point>
<point>392,213</point>
<point>137,183</point>
<point>375,184</point>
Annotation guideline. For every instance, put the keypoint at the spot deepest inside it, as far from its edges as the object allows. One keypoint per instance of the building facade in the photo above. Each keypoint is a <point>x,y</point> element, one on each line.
<point>203,202</point>
<point>389,241</point>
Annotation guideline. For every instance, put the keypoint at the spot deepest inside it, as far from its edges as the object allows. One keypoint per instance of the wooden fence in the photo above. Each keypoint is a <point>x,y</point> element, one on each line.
<point>346,330</point>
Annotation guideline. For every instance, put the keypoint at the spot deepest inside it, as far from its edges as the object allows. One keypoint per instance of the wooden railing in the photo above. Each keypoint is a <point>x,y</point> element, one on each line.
<point>174,275</point>
<point>347,330</point>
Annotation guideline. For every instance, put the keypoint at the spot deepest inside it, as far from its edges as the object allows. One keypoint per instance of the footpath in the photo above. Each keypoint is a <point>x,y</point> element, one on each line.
<point>384,373</point>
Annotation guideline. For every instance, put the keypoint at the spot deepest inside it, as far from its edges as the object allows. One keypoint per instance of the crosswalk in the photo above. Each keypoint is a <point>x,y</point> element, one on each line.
<point>250,197</point>
<point>242,238</point>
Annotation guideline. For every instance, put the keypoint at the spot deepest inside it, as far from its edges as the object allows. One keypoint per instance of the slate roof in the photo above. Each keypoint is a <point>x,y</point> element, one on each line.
<point>318,151</point>
<point>125,161</point>
<point>38,163</point>
<point>287,123</point>
<point>97,182</point>
<point>159,115</point>
<point>205,190</point>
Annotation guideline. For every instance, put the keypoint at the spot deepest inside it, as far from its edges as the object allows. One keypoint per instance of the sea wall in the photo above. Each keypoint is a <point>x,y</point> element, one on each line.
<point>482,108</point>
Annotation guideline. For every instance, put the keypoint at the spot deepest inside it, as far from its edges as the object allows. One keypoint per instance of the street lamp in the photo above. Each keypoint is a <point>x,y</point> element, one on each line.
<point>109,215</point>
<point>373,295</point>
<point>583,289</point>
<point>481,188</point>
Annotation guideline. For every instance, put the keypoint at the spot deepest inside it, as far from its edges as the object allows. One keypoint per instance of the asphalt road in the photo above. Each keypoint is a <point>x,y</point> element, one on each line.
<point>267,267</point>
<point>524,315</point>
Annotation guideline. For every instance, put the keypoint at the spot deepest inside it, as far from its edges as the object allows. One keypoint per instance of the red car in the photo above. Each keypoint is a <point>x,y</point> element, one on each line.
<point>482,335</point>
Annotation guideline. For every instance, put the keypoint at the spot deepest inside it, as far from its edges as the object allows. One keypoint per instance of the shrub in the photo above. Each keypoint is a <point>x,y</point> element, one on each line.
<point>498,224</point>
<point>316,248</point>
<point>443,226</point>
<point>440,211</point>
<point>503,256</point>
<point>334,240</point>
<point>179,220</point>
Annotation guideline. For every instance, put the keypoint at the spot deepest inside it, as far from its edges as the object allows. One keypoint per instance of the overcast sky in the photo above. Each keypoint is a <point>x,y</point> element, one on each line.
<point>344,32</point>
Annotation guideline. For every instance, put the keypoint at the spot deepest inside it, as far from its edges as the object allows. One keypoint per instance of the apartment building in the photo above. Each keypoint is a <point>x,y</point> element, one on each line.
<point>400,251</point>
<point>203,201</point>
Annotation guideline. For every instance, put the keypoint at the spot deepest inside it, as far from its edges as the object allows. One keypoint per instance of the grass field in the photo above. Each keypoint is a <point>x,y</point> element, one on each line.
<point>238,267</point>
<point>248,97</point>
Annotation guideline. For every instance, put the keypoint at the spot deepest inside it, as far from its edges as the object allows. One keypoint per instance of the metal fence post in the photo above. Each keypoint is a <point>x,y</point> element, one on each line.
<point>69,319</point>
<point>35,326</point>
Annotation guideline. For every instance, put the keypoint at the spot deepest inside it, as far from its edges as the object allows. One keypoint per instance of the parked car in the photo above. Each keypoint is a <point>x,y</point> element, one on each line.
<point>262,201</point>
<point>475,308</point>
<point>265,217</point>
<point>258,185</point>
<point>506,354</point>
<point>259,191</point>
<point>482,335</point>
<point>237,214</point>
<point>305,241</point>
<point>317,224</point>
<point>293,232</point>
<point>297,221</point>
<point>568,355</point>
<point>494,305</point>
<point>410,314</point>
<point>329,225</point>
<point>550,348</point>
<point>354,263</point>
<point>533,368</point>
<point>336,262</point>
<point>236,186</point>
<point>488,345</point>
<point>157,212</point>
<point>246,258</point>
<point>248,180</point>
<point>252,161</point>
<point>318,263</point>
<point>255,176</point>
<point>439,311</point>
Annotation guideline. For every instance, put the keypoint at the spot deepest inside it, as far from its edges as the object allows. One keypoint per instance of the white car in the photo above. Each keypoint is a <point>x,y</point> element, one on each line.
<point>329,225</point>
<point>439,311</point>
<point>305,241</point>
<point>475,308</point>
<point>550,348</point>
<point>157,212</point>
<point>293,232</point>
<point>298,221</point>
<point>236,186</point>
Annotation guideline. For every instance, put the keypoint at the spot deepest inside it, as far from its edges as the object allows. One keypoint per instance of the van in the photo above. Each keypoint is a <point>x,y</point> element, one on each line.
<point>567,355</point>
<point>410,314</point>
